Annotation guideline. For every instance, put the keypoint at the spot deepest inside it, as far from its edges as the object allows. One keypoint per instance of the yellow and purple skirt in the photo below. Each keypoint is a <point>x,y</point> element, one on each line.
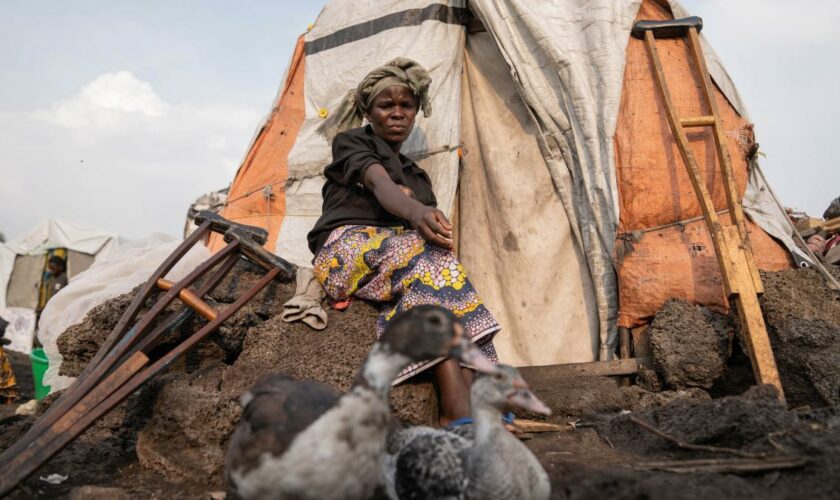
<point>398,269</point>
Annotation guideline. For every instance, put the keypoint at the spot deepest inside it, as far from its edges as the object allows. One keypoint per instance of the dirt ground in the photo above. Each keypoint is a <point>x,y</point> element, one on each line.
<point>169,438</point>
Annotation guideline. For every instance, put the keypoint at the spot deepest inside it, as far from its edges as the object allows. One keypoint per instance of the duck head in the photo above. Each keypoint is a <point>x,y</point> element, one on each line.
<point>506,387</point>
<point>429,332</point>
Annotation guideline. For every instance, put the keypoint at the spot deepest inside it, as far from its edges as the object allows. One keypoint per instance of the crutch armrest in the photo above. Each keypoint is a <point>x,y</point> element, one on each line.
<point>674,28</point>
<point>219,224</point>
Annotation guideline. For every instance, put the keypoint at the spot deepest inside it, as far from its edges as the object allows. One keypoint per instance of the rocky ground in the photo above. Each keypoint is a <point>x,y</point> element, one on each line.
<point>169,439</point>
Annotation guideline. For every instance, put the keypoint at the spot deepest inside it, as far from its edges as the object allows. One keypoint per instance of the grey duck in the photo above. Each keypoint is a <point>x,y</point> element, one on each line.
<point>301,440</point>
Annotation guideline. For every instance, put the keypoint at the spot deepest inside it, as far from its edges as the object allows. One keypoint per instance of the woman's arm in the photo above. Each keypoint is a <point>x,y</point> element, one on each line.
<point>428,221</point>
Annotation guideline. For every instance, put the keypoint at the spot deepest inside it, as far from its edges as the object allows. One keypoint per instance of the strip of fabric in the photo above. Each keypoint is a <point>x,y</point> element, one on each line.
<point>8,382</point>
<point>401,19</point>
<point>398,269</point>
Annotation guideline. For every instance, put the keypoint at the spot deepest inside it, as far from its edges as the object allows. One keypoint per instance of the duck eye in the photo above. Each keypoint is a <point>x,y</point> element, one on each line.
<point>498,377</point>
<point>435,321</point>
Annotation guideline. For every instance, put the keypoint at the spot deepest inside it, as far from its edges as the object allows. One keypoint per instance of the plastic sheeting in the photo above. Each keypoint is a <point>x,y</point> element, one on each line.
<point>129,266</point>
<point>567,59</point>
<point>257,195</point>
<point>55,233</point>
<point>21,328</point>
<point>762,208</point>
<point>679,261</point>
<point>25,281</point>
<point>534,278</point>
<point>7,264</point>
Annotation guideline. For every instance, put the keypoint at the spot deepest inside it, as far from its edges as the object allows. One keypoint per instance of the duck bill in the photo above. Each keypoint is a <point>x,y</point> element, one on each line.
<point>523,398</point>
<point>471,356</point>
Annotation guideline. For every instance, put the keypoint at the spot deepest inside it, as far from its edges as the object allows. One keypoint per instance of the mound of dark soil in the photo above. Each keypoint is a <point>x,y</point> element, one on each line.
<point>187,434</point>
<point>690,344</point>
<point>95,457</point>
<point>79,343</point>
<point>803,321</point>
<point>733,421</point>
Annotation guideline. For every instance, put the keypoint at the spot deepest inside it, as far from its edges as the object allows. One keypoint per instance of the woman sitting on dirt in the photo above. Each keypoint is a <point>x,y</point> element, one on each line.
<point>380,236</point>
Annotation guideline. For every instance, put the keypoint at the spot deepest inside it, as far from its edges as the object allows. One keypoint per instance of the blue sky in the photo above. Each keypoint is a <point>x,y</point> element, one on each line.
<point>119,114</point>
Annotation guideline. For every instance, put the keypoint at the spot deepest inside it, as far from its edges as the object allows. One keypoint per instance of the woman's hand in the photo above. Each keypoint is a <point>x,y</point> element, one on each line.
<point>432,225</point>
<point>428,221</point>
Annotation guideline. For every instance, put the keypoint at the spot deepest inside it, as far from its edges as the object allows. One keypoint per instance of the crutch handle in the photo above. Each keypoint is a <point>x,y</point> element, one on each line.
<point>219,224</point>
<point>674,28</point>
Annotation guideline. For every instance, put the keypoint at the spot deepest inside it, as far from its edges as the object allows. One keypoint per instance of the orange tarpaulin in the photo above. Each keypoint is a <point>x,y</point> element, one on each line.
<point>257,195</point>
<point>655,189</point>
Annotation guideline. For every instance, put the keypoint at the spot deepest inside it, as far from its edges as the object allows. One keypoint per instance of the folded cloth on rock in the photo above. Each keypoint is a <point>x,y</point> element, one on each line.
<point>306,304</point>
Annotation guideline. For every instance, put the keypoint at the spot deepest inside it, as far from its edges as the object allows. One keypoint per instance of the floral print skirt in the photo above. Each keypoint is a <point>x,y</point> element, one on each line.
<point>398,269</point>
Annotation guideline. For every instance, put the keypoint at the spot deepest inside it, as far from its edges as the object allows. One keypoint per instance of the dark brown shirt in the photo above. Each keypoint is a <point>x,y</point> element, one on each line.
<point>346,201</point>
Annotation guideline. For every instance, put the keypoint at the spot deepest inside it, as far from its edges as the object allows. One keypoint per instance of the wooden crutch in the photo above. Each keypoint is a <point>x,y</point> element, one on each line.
<point>741,279</point>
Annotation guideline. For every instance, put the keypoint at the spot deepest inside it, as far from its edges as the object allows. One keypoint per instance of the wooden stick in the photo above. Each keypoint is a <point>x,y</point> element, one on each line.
<point>551,374</point>
<point>698,121</point>
<point>536,426</point>
<point>693,447</point>
<point>190,299</point>
<point>724,465</point>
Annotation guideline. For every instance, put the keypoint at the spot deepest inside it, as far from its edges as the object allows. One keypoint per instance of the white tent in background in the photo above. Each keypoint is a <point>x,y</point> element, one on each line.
<point>22,264</point>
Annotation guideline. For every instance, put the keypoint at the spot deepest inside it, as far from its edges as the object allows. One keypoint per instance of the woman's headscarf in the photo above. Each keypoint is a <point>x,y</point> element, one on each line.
<point>400,71</point>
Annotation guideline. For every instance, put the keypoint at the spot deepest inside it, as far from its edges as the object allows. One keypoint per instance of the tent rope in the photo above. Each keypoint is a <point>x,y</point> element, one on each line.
<point>421,155</point>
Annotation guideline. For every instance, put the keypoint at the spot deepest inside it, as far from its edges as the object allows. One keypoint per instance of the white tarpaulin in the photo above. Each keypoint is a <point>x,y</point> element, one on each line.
<point>118,273</point>
<point>21,328</point>
<point>514,236</point>
<point>56,233</point>
<point>7,263</point>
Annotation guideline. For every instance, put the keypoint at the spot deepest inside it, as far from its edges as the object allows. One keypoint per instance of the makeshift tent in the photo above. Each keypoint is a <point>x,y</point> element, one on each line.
<point>23,262</point>
<point>548,147</point>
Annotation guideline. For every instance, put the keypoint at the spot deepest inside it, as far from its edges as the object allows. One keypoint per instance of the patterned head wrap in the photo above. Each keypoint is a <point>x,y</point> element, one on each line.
<point>400,71</point>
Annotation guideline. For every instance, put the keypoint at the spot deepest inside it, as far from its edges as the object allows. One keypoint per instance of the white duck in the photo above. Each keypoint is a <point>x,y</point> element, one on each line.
<point>300,440</point>
<point>488,463</point>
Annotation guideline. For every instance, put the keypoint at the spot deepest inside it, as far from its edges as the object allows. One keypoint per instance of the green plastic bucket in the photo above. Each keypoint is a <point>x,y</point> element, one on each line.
<point>39,366</point>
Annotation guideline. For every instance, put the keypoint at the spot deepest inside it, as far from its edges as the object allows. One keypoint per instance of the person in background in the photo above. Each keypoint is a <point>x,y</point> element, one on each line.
<point>56,278</point>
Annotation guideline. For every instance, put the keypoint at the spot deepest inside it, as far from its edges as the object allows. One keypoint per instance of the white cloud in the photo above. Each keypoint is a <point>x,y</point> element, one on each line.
<point>117,155</point>
<point>105,101</point>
